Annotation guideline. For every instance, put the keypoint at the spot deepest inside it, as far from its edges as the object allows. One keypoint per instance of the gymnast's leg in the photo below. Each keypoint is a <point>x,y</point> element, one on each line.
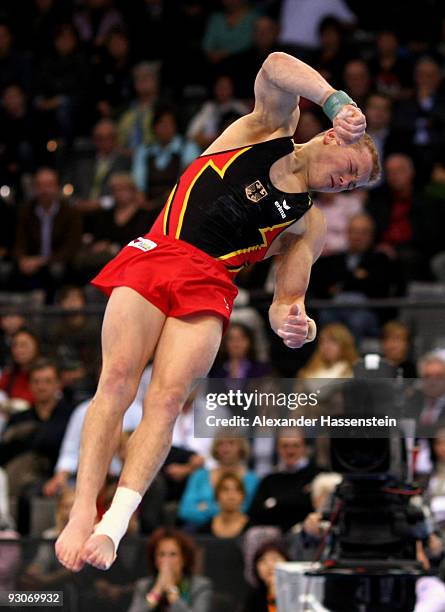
<point>186,350</point>
<point>130,332</point>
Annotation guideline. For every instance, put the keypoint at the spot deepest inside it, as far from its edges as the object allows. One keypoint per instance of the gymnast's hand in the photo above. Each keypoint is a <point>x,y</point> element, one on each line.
<point>349,125</point>
<point>292,324</point>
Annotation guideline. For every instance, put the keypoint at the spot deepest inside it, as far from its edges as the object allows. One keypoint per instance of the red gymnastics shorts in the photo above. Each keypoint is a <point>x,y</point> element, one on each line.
<point>173,275</point>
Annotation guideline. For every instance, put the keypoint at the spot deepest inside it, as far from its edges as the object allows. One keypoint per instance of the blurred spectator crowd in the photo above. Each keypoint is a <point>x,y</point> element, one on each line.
<point>103,103</point>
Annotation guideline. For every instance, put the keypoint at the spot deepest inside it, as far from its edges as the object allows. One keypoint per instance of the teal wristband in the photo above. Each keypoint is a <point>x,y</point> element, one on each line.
<point>335,103</point>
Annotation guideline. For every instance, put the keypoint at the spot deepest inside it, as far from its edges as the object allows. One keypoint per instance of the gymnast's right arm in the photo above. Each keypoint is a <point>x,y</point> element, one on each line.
<point>278,85</point>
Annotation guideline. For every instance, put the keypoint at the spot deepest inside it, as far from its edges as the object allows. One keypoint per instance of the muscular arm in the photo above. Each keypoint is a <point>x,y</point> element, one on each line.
<point>287,313</point>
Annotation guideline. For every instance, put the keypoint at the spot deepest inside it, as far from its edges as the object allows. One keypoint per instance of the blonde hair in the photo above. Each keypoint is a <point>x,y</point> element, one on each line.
<point>367,142</point>
<point>244,448</point>
<point>340,334</point>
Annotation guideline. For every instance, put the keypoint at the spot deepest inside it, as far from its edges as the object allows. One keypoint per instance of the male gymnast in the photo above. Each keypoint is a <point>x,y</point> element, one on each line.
<point>171,291</point>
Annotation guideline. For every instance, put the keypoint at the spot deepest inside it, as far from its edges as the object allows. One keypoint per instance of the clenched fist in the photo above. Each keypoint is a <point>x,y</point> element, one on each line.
<point>292,324</point>
<point>349,125</point>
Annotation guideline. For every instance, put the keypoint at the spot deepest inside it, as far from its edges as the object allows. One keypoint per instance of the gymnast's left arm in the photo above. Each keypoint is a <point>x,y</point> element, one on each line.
<point>287,313</point>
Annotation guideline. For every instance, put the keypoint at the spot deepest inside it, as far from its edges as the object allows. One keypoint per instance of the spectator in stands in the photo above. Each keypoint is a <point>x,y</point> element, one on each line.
<point>48,236</point>
<point>14,66</point>
<point>60,84</point>
<point>333,53</point>
<point>158,165</point>
<point>8,218</point>
<point>198,504</point>
<point>435,491</point>
<point>14,380</point>
<point>245,65</point>
<point>300,22</point>
<point>334,356</point>
<point>113,228</point>
<point>44,571</point>
<point>427,404</point>
<point>338,209</point>
<point>10,323</point>
<point>171,584</point>
<point>94,20</point>
<point>19,137</point>
<point>91,176</point>
<point>263,597</point>
<point>205,125</point>
<point>395,343</point>
<point>358,273</point>
<point>38,26</point>
<point>231,521</point>
<point>421,118</point>
<point>391,71</point>
<point>229,31</point>
<point>357,81</point>
<point>32,438</point>
<point>111,76</point>
<point>397,211</point>
<point>73,341</point>
<point>135,123</point>
<point>283,498</point>
<point>238,356</point>
<point>378,111</point>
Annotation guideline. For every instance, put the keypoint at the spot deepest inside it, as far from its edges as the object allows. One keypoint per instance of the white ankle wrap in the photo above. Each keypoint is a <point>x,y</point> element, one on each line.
<point>114,522</point>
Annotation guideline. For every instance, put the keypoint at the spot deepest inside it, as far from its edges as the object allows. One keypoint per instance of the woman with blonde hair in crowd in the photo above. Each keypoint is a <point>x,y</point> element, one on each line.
<point>198,504</point>
<point>334,356</point>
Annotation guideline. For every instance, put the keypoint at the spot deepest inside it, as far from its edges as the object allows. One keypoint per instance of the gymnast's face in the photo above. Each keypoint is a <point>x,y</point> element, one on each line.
<point>335,168</point>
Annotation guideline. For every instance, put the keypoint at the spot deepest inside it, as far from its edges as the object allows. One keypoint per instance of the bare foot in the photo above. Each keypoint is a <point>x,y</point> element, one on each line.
<point>71,540</point>
<point>98,551</point>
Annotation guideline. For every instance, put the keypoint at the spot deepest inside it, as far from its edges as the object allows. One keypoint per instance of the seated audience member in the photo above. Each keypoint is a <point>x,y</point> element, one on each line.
<point>396,208</point>
<point>263,597</point>
<point>14,380</point>
<point>395,343</point>
<point>90,175</point>
<point>427,404</point>
<point>357,81</point>
<point>19,137</point>
<point>45,571</point>
<point>204,127</point>
<point>238,355</point>
<point>229,31</point>
<point>245,65</point>
<point>283,497</point>
<point>338,209</point>
<point>391,70</point>
<point>230,522</point>
<point>113,228</point>
<point>74,341</point>
<point>49,234</point>
<point>334,356</point>
<point>435,491</point>
<point>354,275</point>
<point>60,84</point>
<point>379,116</point>
<point>420,118</point>
<point>32,438</point>
<point>135,123</point>
<point>10,323</point>
<point>172,584</point>
<point>333,53</point>
<point>112,73</point>
<point>304,539</point>
<point>198,504</point>
<point>158,165</point>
